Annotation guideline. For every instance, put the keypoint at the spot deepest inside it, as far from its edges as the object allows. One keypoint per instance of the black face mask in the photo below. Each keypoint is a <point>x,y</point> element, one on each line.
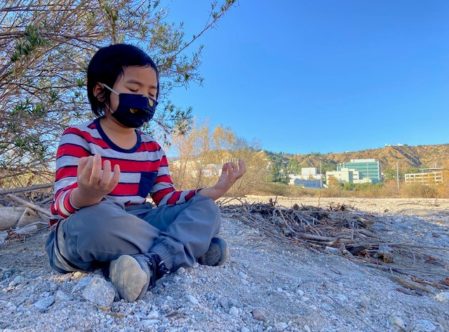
<point>133,110</point>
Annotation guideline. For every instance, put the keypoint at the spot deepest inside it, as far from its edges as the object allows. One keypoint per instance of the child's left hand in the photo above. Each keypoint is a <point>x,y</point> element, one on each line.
<point>230,173</point>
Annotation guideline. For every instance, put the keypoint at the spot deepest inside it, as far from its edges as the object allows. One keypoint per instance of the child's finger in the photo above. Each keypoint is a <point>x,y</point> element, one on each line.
<point>107,175</point>
<point>85,167</point>
<point>96,168</point>
<point>115,177</point>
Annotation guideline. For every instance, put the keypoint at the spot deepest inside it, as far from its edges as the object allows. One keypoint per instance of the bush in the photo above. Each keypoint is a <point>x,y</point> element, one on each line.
<point>419,190</point>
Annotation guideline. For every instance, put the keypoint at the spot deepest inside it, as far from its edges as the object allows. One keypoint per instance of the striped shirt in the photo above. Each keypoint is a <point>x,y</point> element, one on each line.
<point>143,169</point>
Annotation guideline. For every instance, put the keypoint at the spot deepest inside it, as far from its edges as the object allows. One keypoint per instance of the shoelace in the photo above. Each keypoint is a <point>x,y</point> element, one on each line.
<point>157,266</point>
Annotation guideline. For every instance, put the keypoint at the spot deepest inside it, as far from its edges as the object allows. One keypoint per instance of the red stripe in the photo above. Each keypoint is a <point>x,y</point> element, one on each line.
<point>58,210</point>
<point>158,195</point>
<point>174,197</point>
<point>67,205</point>
<point>87,137</point>
<point>134,166</point>
<point>71,186</point>
<point>163,178</point>
<point>164,161</point>
<point>190,195</point>
<point>65,172</point>
<point>125,189</point>
<point>149,147</point>
<point>72,150</point>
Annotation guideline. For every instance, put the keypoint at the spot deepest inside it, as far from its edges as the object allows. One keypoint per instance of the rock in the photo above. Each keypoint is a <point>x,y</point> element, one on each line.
<point>307,328</point>
<point>332,250</point>
<point>224,303</point>
<point>398,323</point>
<point>234,311</point>
<point>244,329</point>
<point>154,314</point>
<point>9,307</point>
<point>385,253</point>
<point>62,296</point>
<point>192,299</point>
<point>43,304</point>
<point>259,314</point>
<point>100,292</point>
<point>149,324</point>
<point>424,325</point>
<point>242,275</point>
<point>3,236</point>
<point>300,292</point>
<point>341,298</point>
<point>81,284</point>
<point>9,216</point>
<point>281,326</point>
<point>28,216</point>
<point>17,280</point>
<point>78,275</point>
<point>442,297</point>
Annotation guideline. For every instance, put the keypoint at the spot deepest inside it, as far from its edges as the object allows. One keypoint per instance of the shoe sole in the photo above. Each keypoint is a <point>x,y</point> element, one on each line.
<point>128,277</point>
<point>217,254</point>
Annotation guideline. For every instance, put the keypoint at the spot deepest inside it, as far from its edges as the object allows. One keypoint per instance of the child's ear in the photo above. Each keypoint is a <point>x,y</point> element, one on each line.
<point>99,92</point>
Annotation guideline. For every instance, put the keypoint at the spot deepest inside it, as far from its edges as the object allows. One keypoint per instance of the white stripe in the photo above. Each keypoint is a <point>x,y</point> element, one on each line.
<point>160,186</point>
<point>164,199</point>
<point>148,139</point>
<point>61,203</point>
<point>66,161</point>
<point>93,132</point>
<point>130,177</point>
<point>163,170</point>
<point>126,199</point>
<point>134,156</point>
<point>74,139</point>
<point>182,198</point>
<point>64,183</point>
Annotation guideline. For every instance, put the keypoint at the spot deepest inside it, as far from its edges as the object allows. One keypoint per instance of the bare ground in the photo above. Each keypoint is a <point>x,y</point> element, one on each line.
<point>267,285</point>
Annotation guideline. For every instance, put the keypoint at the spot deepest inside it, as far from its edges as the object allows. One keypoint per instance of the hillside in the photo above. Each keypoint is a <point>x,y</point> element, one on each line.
<point>408,157</point>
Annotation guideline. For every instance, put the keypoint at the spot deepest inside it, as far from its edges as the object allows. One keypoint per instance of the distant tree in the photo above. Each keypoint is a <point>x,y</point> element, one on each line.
<point>202,152</point>
<point>45,46</point>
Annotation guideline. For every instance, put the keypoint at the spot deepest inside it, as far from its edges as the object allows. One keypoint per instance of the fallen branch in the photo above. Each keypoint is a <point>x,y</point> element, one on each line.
<point>24,189</point>
<point>29,204</point>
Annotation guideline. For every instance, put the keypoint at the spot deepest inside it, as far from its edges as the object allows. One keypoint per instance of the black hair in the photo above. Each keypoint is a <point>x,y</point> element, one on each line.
<point>107,65</point>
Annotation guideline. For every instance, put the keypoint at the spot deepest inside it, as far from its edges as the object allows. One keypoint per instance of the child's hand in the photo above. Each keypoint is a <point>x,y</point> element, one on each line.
<point>230,173</point>
<point>94,180</point>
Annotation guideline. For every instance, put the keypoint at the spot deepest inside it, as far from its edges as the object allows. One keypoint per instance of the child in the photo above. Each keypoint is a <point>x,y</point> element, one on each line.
<point>104,171</point>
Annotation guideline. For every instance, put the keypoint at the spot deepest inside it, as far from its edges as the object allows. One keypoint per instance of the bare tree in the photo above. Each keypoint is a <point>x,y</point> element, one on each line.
<point>45,47</point>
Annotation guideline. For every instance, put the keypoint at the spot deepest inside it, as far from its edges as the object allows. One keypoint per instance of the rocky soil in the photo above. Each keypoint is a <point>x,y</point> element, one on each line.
<point>267,285</point>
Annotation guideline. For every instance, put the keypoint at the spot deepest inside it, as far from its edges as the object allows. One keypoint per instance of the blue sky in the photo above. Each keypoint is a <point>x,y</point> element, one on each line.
<point>323,76</point>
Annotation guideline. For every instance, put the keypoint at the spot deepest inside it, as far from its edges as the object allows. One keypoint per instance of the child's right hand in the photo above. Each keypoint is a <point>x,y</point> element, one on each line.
<point>94,180</point>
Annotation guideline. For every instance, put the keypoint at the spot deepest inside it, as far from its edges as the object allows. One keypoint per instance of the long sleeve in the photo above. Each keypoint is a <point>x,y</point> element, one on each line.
<point>163,191</point>
<point>72,147</point>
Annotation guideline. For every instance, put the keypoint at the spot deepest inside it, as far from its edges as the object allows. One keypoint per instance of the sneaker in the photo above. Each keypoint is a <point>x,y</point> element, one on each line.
<point>217,254</point>
<point>133,275</point>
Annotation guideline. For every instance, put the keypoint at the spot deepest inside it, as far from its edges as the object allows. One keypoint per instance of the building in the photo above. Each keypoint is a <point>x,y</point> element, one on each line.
<point>309,178</point>
<point>342,176</point>
<point>307,172</point>
<point>430,176</point>
<point>368,170</point>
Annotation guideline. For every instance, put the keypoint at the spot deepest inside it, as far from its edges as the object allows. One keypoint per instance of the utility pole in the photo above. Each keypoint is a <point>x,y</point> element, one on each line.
<point>397,174</point>
<point>321,177</point>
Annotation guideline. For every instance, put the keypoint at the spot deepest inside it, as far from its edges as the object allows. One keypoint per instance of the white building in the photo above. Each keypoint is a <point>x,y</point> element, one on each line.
<point>309,178</point>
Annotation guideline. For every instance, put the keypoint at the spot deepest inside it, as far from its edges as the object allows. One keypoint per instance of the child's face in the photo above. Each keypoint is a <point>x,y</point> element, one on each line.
<point>138,80</point>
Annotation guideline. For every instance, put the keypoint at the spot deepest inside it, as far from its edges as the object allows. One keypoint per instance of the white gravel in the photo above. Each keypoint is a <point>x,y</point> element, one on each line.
<point>265,286</point>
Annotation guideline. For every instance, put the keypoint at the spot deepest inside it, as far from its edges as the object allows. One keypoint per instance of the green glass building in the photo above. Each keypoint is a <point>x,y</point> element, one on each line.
<point>367,168</point>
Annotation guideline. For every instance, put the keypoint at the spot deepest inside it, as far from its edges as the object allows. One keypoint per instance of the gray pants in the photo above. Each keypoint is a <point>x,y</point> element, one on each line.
<point>98,234</point>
